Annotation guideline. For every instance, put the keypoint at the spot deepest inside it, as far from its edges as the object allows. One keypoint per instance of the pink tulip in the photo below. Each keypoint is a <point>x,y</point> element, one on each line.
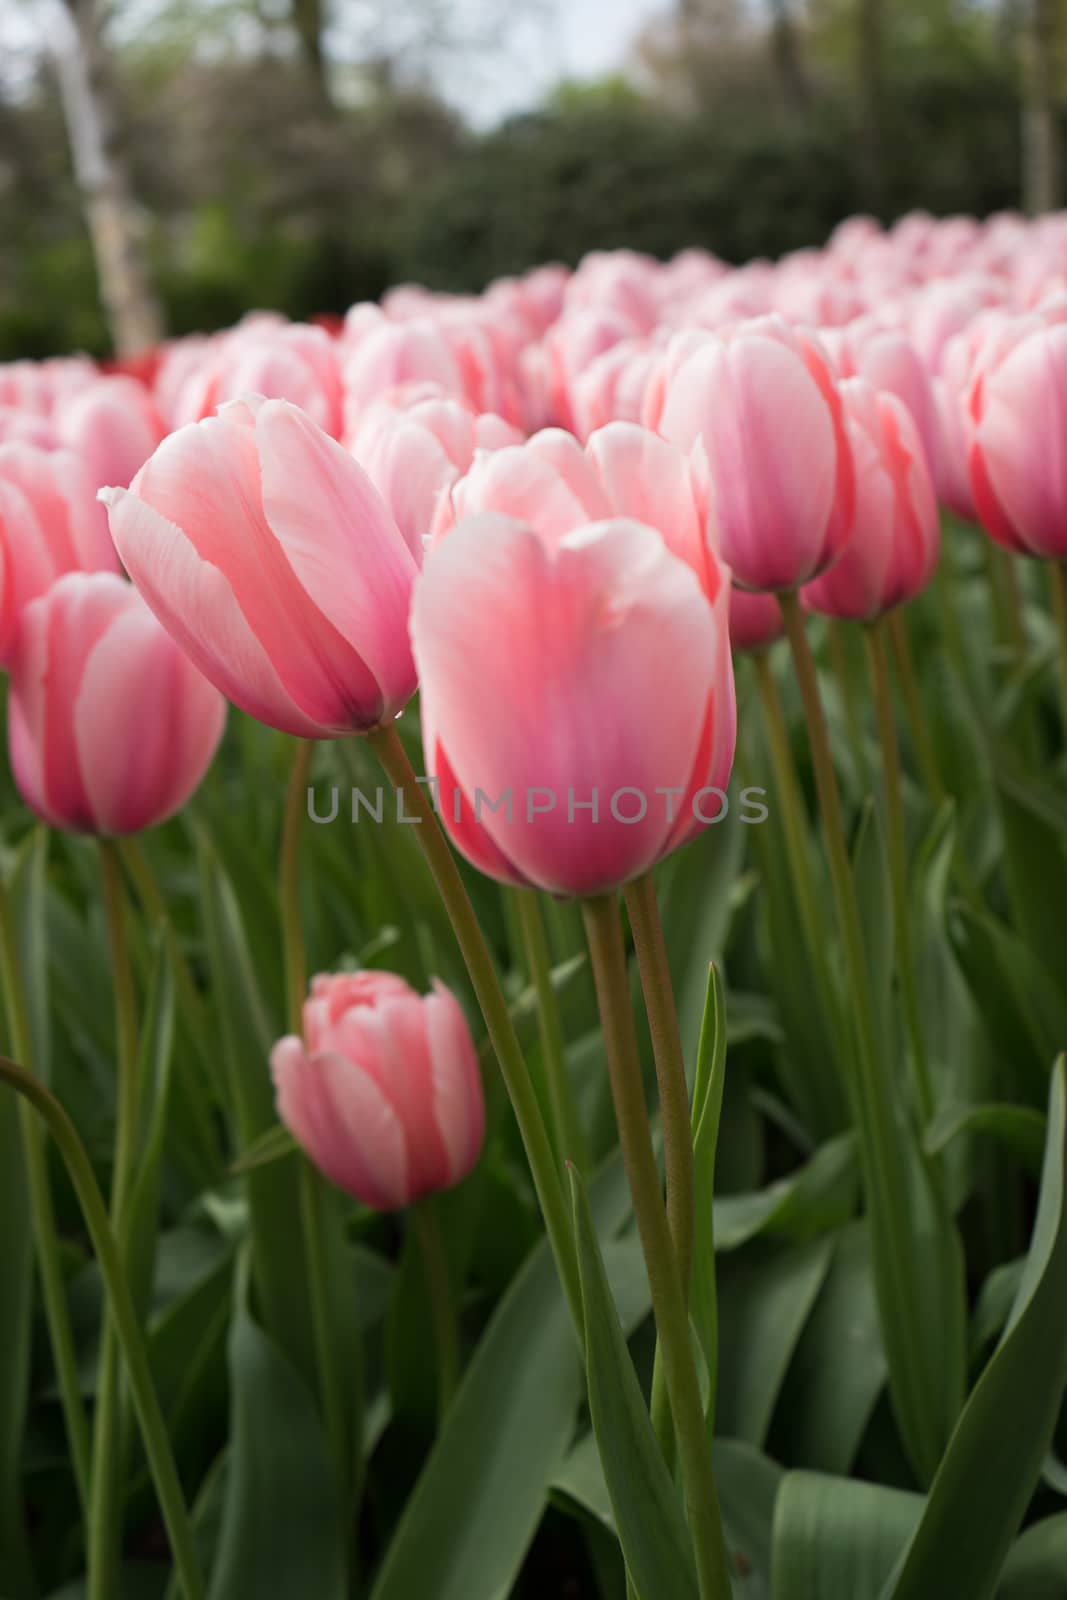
<point>890,362</point>
<point>49,524</point>
<point>893,547</point>
<point>756,620</point>
<point>383,1091</point>
<point>577,703</point>
<point>265,355</point>
<point>760,411</point>
<point>113,426</point>
<point>266,551</point>
<point>110,726</point>
<point>415,445</point>
<point>1017,413</point>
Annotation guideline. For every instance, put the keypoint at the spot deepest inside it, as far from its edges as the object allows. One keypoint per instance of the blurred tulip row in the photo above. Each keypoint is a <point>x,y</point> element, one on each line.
<point>551,1179</point>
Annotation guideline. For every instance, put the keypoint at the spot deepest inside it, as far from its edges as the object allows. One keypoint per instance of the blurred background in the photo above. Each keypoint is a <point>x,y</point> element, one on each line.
<point>196,158</point>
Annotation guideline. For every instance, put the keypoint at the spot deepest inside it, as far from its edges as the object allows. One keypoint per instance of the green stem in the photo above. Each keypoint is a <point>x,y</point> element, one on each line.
<point>896,838</point>
<point>1007,598</point>
<point>570,1138</point>
<point>109,1454</point>
<point>886,1182</point>
<point>604,933</point>
<point>853,721</point>
<point>1059,600</point>
<point>667,1053</point>
<point>787,790</point>
<point>45,1237</point>
<point>427,1228</point>
<point>312,1199</point>
<point>909,688</point>
<point>127,1329</point>
<point>391,754</point>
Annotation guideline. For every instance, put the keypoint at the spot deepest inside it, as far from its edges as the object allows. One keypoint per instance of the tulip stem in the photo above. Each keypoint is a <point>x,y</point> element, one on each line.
<point>570,1138</point>
<point>667,1053</point>
<point>1059,600</point>
<point>45,1237</point>
<point>312,1208</point>
<point>604,933</point>
<point>127,1328</point>
<point>109,1453</point>
<point>827,1095</point>
<point>896,839</point>
<point>835,636</point>
<point>885,1176</point>
<point>427,1228</point>
<point>389,749</point>
<point>1003,577</point>
<point>909,688</point>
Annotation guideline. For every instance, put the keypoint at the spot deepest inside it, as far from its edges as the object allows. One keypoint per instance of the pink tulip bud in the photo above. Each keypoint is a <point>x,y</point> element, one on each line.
<point>415,448</point>
<point>1018,413</point>
<point>756,620</point>
<point>49,524</point>
<point>760,411</point>
<point>265,550</point>
<point>383,1092</point>
<point>113,426</point>
<point>893,546</point>
<point>577,705</point>
<point>110,726</point>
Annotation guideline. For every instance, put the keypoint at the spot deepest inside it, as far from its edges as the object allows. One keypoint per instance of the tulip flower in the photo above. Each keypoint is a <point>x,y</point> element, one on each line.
<point>760,411</point>
<point>1017,408</point>
<point>263,355</point>
<point>113,426</point>
<point>577,704</point>
<point>755,620</point>
<point>414,447</point>
<point>265,550</point>
<point>383,1091</point>
<point>110,727</point>
<point>894,543</point>
<point>49,524</point>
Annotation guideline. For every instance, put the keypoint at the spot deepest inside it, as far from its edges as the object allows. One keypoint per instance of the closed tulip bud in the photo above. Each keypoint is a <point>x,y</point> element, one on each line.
<point>113,426</point>
<point>49,524</point>
<point>265,550</point>
<point>760,411</point>
<point>1017,413</point>
<point>756,620</point>
<point>893,547</point>
<point>110,727</point>
<point>578,704</point>
<point>383,1091</point>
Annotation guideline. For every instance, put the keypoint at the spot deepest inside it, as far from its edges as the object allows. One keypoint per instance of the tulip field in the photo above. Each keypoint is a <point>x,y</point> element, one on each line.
<point>533,940</point>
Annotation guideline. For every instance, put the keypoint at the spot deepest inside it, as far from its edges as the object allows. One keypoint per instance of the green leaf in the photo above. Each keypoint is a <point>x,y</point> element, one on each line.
<point>16,1299</point>
<point>1019,1128</point>
<point>817,1197</point>
<point>284,1531</point>
<point>1020,1004</point>
<point>274,1191</point>
<point>480,1496</point>
<point>154,1076</point>
<point>647,1511</point>
<point>1035,865</point>
<point>839,1368</point>
<point>707,1111</point>
<point>272,1145</point>
<point>994,1458</point>
<point>837,1539</point>
<point>766,1294</point>
<point>1036,1568</point>
<point>696,910</point>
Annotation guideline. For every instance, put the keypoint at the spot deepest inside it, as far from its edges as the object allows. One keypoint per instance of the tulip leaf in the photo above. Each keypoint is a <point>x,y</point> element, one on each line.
<point>647,1511</point>
<point>154,1076</point>
<point>1019,1128</point>
<point>995,1456</point>
<point>1023,1010</point>
<point>818,1196</point>
<point>284,1530</point>
<point>479,1498</point>
<point>1035,866</point>
<point>1037,1563</point>
<point>707,1110</point>
<point>839,1537</point>
<point>271,1145</point>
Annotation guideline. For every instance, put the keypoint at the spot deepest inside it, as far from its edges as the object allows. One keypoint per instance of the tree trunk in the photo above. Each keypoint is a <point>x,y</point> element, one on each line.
<point>133,311</point>
<point>1041,152</point>
<point>309,22</point>
<point>871,101</point>
<point>788,61</point>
